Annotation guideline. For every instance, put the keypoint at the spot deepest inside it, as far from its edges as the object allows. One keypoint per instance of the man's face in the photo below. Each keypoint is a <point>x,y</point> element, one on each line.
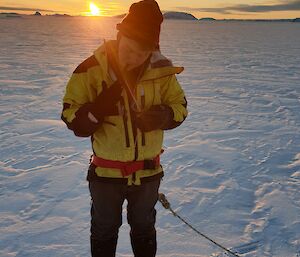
<point>131,54</point>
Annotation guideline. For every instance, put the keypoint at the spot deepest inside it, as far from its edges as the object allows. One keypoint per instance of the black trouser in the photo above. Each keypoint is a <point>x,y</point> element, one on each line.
<point>106,213</point>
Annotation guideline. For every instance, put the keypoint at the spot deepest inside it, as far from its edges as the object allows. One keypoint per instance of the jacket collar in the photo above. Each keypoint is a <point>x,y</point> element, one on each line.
<point>158,67</point>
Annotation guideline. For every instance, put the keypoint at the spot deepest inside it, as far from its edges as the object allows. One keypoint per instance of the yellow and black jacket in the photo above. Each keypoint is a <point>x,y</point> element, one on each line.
<point>115,138</point>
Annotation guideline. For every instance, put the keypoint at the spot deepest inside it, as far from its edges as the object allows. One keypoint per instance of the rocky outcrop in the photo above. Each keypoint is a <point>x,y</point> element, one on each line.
<point>207,19</point>
<point>179,16</point>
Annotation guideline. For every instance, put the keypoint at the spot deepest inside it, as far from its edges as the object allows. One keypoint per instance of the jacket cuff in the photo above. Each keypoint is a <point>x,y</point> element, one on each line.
<point>170,122</point>
<point>82,125</point>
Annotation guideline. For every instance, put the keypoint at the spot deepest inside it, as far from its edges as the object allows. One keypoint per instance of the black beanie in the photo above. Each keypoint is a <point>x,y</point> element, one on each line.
<point>142,23</point>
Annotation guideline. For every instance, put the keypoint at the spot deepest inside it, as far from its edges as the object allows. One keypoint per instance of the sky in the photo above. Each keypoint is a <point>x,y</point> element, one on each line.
<point>219,9</point>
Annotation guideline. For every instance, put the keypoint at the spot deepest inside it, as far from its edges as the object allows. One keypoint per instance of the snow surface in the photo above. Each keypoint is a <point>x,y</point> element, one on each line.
<point>232,169</point>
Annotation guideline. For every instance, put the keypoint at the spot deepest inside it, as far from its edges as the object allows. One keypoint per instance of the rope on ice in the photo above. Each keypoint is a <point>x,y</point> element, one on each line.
<point>165,203</point>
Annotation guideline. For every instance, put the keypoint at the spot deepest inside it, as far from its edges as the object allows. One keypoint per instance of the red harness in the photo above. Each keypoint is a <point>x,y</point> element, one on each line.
<point>127,168</point>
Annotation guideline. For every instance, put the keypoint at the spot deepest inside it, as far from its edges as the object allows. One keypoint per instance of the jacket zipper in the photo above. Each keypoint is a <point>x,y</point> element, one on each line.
<point>132,115</point>
<point>125,118</point>
<point>134,132</point>
<point>143,106</point>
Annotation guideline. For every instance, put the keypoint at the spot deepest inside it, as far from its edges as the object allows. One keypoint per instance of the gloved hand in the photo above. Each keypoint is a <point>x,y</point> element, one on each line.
<point>156,117</point>
<point>105,103</point>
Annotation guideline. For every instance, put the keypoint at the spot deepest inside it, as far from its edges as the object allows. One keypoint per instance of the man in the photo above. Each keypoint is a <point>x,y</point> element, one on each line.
<point>124,96</point>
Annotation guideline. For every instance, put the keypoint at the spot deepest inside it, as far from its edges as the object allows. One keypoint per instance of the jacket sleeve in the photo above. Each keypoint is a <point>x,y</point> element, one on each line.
<point>79,95</point>
<point>173,96</point>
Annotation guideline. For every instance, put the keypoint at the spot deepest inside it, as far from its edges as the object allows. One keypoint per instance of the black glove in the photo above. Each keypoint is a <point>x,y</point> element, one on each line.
<point>156,117</point>
<point>106,102</point>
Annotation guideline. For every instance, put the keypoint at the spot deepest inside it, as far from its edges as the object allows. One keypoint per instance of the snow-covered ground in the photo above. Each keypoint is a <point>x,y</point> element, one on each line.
<point>232,169</point>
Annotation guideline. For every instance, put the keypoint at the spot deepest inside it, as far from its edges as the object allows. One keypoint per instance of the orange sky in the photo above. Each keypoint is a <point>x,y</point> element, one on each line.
<point>252,9</point>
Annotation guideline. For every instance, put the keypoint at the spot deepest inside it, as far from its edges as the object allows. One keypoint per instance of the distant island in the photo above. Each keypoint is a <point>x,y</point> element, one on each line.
<point>168,15</point>
<point>261,20</point>
<point>120,16</point>
<point>59,15</point>
<point>207,19</point>
<point>179,16</point>
<point>18,15</point>
<point>10,15</point>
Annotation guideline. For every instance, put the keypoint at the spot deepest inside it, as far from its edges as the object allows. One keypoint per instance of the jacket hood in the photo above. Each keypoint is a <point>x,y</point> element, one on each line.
<point>159,65</point>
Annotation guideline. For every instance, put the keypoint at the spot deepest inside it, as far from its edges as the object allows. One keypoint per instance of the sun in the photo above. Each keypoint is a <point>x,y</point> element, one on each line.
<point>94,10</point>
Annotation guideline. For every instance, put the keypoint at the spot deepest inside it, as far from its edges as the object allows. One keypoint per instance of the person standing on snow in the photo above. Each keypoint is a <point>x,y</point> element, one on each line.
<point>124,96</point>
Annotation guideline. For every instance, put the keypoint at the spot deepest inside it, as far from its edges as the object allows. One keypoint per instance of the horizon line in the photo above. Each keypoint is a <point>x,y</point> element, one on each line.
<point>117,15</point>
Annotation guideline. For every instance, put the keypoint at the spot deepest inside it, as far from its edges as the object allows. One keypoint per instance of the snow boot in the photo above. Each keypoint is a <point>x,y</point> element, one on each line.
<point>144,247</point>
<point>103,248</point>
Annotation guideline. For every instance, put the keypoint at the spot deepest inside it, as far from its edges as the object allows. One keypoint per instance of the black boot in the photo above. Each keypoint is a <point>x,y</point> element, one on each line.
<point>144,247</point>
<point>103,248</point>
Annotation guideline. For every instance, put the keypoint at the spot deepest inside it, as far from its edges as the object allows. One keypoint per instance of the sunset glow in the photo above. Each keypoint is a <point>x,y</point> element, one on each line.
<point>221,9</point>
<point>94,10</point>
